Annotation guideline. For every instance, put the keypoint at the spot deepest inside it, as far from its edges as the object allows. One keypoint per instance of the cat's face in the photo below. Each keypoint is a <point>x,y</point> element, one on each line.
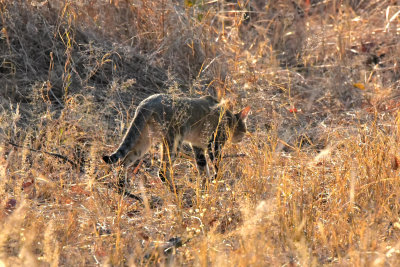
<point>240,128</point>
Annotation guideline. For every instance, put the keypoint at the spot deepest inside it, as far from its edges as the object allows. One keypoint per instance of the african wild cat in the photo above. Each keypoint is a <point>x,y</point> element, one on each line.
<point>202,122</point>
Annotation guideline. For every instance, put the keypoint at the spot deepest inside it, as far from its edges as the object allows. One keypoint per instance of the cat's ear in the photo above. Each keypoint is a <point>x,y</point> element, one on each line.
<point>244,112</point>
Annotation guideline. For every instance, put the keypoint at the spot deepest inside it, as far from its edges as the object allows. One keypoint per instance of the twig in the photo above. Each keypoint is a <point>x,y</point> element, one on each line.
<point>45,152</point>
<point>119,189</point>
<point>241,155</point>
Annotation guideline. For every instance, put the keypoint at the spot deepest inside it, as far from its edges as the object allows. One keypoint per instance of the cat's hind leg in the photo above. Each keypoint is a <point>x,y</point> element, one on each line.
<point>133,159</point>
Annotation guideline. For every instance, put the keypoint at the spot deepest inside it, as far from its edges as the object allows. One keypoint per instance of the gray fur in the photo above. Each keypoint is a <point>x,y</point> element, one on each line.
<point>172,121</point>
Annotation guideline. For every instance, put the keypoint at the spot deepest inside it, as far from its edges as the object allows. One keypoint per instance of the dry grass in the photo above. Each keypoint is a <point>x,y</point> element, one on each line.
<point>318,185</point>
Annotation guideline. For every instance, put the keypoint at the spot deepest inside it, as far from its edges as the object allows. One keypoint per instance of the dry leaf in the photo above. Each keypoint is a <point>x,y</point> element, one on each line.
<point>359,86</point>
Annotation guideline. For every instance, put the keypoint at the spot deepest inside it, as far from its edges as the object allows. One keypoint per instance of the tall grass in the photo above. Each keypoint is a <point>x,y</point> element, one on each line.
<point>319,180</point>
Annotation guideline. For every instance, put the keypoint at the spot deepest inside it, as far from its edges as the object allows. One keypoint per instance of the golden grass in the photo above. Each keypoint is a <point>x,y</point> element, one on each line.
<point>318,185</point>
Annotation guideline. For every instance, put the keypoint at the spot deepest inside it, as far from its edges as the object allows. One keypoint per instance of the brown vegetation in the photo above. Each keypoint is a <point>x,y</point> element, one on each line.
<point>318,185</point>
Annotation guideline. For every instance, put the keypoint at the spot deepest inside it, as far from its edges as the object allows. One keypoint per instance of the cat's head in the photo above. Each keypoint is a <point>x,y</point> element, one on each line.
<point>239,125</point>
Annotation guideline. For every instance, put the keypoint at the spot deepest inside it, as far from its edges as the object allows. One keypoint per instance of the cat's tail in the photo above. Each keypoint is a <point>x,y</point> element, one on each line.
<point>107,159</point>
<point>131,137</point>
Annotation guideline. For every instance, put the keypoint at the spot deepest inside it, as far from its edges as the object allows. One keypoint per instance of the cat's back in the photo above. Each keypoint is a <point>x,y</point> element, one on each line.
<point>202,105</point>
<point>166,102</point>
<point>210,100</point>
<point>165,107</point>
<point>154,101</point>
